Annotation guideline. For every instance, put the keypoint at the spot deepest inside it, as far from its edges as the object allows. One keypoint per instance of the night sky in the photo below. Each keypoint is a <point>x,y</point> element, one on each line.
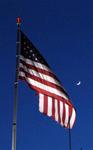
<point>63,33</point>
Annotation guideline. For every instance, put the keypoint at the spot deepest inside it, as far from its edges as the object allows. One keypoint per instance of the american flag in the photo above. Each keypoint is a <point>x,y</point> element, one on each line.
<point>53,99</point>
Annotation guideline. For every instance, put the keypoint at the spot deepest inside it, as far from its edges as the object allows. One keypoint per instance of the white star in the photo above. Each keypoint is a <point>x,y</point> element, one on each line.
<point>31,50</point>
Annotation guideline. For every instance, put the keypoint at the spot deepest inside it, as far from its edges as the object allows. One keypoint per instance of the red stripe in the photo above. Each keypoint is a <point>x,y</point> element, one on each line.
<point>74,120</point>
<point>39,79</point>
<point>46,92</point>
<point>45,104</point>
<point>53,108</point>
<point>59,117</point>
<point>64,114</point>
<point>70,114</point>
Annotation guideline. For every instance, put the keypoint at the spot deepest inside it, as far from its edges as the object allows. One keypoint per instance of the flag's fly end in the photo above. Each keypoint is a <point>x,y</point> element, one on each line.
<point>18,21</point>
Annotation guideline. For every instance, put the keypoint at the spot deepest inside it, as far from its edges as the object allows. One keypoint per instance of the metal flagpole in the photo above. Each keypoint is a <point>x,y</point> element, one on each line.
<point>16,86</point>
<point>70,146</point>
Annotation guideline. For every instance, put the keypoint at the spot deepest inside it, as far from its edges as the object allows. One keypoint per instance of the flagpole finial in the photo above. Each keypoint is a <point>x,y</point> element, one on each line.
<point>18,21</point>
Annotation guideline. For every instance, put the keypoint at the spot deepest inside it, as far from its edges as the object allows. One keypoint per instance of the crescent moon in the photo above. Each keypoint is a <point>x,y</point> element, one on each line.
<point>78,83</point>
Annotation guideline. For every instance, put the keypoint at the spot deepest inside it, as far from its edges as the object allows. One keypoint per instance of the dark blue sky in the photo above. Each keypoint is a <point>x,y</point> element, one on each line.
<point>63,32</point>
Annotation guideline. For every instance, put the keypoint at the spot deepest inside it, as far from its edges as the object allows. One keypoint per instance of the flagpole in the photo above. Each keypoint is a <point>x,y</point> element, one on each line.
<point>69,132</point>
<point>16,86</point>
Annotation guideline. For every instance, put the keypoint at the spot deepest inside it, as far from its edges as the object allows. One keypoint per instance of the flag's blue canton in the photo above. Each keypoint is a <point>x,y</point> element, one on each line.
<point>29,51</point>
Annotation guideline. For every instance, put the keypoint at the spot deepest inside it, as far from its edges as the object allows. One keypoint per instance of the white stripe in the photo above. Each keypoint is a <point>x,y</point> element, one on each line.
<point>41,102</point>
<point>49,112</point>
<point>43,86</point>
<point>36,64</point>
<point>40,75</point>
<point>66,115</point>
<point>72,120</point>
<point>56,110</point>
<point>61,112</point>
